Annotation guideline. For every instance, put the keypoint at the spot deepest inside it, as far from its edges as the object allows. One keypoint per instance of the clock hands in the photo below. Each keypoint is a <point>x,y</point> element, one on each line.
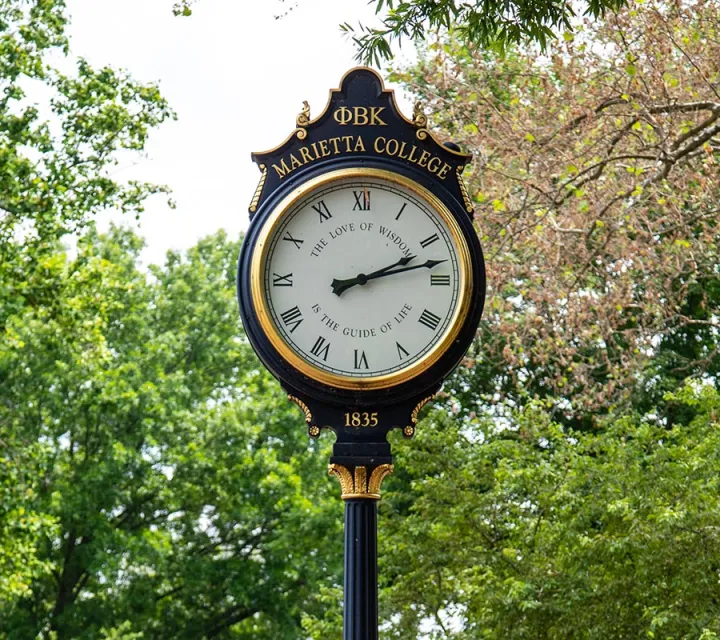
<point>339,286</point>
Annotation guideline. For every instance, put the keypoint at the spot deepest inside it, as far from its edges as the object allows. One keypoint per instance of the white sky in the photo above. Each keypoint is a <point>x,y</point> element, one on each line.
<point>236,77</point>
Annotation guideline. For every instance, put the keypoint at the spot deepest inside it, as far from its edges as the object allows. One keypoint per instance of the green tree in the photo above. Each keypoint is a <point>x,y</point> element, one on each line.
<point>60,135</point>
<point>59,144</point>
<point>490,24</point>
<point>188,501</point>
<point>540,531</point>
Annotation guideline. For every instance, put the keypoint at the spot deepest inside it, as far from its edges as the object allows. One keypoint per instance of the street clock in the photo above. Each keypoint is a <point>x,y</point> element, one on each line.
<point>361,280</point>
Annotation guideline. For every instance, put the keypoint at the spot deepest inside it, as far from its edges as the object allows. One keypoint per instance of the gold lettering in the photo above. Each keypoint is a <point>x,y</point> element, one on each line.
<point>359,145</point>
<point>430,162</point>
<point>361,419</point>
<point>361,116</point>
<point>395,144</point>
<point>402,150</point>
<point>424,158</point>
<point>347,140</point>
<point>334,142</point>
<point>443,171</point>
<point>315,151</point>
<point>343,115</point>
<point>376,145</point>
<point>305,153</point>
<point>324,148</point>
<point>282,169</point>
<point>412,151</point>
<point>294,162</point>
<point>374,116</point>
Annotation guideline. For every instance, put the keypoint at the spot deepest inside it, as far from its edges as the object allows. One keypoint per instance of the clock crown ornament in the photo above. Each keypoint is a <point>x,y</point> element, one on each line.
<point>361,280</point>
<point>361,121</point>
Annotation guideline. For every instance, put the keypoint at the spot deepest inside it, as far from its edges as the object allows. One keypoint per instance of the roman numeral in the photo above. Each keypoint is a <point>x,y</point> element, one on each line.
<point>282,281</point>
<point>362,200</point>
<point>402,353</point>
<point>397,217</point>
<point>289,238</point>
<point>439,281</point>
<point>428,241</point>
<point>292,317</point>
<point>322,209</point>
<point>321,348</point>
<point>361,362</point>
<point>429,319</point>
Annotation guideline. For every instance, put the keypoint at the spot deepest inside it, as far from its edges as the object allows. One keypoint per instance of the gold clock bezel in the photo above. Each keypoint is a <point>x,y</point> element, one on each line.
<point>257,269</point>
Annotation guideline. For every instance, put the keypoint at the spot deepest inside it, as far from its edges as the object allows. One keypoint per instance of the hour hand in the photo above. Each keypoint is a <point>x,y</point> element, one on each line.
<point>338,286</point>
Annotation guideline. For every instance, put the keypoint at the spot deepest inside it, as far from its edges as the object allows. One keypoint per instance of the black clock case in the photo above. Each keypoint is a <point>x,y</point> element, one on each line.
<point>401,395</point>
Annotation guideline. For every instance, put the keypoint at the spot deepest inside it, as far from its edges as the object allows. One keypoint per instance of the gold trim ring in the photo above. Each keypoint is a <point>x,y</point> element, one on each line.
<point>257,269</point>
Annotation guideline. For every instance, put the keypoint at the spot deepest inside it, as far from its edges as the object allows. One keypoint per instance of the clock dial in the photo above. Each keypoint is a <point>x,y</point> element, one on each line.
<point>362,279</point>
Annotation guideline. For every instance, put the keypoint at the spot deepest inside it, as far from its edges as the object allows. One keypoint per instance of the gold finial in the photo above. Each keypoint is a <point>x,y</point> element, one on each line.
<point>304,116</point>
<point>419,117</point>
<point>357,484</point>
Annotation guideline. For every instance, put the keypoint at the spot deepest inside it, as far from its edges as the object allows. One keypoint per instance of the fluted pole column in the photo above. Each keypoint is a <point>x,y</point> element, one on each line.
<point>360,616</point>
<point>361,494</point>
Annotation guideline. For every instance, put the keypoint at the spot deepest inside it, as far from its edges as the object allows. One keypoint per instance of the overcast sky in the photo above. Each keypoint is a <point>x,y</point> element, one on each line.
<point>235,75</point>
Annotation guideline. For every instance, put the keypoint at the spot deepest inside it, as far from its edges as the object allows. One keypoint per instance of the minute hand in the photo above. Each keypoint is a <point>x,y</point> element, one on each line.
<point>341,285</point>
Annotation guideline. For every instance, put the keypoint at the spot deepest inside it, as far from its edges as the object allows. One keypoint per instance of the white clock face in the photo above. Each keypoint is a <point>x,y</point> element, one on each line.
<point>363,277</point>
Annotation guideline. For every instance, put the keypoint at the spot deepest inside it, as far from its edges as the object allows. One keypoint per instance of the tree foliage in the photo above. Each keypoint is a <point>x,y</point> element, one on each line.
<point>596,186</point>
<point>139,495</point>
<point>188,504</point>
<point>61,134</point>
<point>154,481</point>
<point>491,24</point>
<point>543,532</point>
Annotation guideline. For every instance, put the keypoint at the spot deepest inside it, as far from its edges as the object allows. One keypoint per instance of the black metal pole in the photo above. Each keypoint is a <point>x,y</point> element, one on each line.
<point>360,615</point>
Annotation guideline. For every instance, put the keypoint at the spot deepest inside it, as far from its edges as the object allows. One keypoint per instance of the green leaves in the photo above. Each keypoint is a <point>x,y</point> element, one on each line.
<point>543,531</point>
<point>490,25</point>
<point>55,177</point>
<point>179,497</point>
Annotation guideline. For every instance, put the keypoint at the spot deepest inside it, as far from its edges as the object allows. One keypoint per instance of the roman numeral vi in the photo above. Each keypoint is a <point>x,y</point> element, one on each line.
<point>361,362</point>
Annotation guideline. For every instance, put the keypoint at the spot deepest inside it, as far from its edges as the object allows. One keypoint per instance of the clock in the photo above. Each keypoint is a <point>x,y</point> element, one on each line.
<point>361,279</point>
<point>361,283</point>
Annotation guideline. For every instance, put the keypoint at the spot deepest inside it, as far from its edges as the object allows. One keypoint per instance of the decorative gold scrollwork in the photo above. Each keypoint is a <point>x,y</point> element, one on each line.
<point>420,405</point>
<point>304,116</point>
<point>357,484</point>
<point>419,118</point>
<point>468,204</point>
<point>303,406</point>
<point>409,430</point>
<point>258,190</point>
